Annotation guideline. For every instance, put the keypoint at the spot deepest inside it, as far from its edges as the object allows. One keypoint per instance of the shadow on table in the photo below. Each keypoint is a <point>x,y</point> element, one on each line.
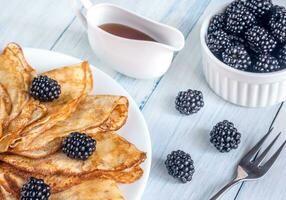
<point>203,141</point>
<point>160,171</point>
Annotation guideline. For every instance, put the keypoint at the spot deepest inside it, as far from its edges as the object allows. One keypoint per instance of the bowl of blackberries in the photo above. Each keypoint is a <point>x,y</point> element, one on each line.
<point>244,52</point>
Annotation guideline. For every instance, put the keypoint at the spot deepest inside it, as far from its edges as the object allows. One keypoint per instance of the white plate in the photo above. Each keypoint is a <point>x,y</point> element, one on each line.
<point>135,130</point>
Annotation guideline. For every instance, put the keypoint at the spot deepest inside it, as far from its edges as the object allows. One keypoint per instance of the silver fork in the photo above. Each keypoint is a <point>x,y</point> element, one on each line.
<point>251,168</point>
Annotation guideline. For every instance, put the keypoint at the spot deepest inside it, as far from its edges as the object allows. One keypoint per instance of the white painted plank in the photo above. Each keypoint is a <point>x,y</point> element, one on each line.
<point>272,186</point>
<point>171,131</point>
<point>33,23</point>
<point>181,14</point>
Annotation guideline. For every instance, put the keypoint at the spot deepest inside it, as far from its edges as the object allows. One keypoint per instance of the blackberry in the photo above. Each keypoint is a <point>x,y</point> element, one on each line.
<point>189,102</point>
<point>224,136</point>
<point>217,23</point>
<point>35,189</point>
<point>237,57</point>
<point>259,40</point>
<point>78,146</point>
<point>238,18</point>
<point>277,23</point>
<point>236,40</point>
<point>45,89</point>
<point>266,63</point>
<point>237,4</point>
<point>282,56</point>
<point>218,41</point>
<point>259,8</point>
<point>180,165</point>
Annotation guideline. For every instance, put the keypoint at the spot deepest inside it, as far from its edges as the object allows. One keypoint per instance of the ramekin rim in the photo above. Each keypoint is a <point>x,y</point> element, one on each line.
<point>203,32</point>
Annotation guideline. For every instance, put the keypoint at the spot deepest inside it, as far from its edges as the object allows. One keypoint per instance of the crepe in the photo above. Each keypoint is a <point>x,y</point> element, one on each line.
<point>74,88</point>
<point>15,77</point>
<point>30,113</point>
<point>16,109</point>
<point>76,83</point>
<point>60,183</point>
<point>97,189</point>
<point>5,107</point>
<point>113,153</point>
<point>32,132</point>
<point>102,111</point>
<point>94,189</point>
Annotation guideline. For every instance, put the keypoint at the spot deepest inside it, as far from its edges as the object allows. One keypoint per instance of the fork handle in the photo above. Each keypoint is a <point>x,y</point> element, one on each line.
<point>219,194</point>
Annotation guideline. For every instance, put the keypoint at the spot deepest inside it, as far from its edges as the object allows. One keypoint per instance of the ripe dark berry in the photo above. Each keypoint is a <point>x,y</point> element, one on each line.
<point>238,18</point>
<point>236,40</point>
<point>259,8</point>
<point>35,189</point>
<point>237,57</point>
<point>189,102</point>
<point>217,23</point>
<point>224,136</point>
<point>266,63</point>
<point>180,165</point>
<point>45,89</point>
<point>259,40</point>
<point>78,146</point>
<point>218,41</point>
<point>277,23</point>
<point>237,4</point>
<point>282,56</point>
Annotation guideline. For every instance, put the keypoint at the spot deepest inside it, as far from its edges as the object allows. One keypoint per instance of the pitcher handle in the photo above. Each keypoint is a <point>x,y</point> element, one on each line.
<point>78,10</point>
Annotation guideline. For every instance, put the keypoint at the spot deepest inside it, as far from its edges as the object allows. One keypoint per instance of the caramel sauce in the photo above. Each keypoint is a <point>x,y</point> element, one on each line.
<point>125,32</point>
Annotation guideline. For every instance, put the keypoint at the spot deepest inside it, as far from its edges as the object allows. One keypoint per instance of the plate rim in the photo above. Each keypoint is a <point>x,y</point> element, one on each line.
<point>132,102</point>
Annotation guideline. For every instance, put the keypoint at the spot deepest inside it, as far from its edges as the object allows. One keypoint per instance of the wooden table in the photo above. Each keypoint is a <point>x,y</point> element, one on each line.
<point>51,24</point>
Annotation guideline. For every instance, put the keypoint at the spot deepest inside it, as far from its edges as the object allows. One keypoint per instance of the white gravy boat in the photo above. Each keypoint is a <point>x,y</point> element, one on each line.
<point>135,58</point>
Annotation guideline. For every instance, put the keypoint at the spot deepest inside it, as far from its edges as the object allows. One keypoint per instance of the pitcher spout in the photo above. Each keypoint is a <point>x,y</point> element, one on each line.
<point>172,38</point>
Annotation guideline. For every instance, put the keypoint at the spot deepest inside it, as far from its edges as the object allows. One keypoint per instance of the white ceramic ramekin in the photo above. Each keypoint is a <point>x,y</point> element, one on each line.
<point>239,87</point>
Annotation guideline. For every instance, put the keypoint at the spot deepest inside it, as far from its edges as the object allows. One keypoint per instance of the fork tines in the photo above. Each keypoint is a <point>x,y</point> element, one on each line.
<point>250,156</point>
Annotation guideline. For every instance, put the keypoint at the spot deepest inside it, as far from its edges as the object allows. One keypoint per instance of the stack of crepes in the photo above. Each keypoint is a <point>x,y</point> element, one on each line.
<point>31,134</point>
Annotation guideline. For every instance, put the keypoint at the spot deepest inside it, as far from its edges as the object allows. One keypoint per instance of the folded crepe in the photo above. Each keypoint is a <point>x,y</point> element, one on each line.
<point>35,117</point>
<point>59,183</point>
<point>31,112</point>
<point>76,82</point>
<point>104,112</point>
<point>31,134</point>
<point>94,189</point>
<point>5,107</point>
<point>17,111</point>
<point>113,153</point>
<point>15,78</point>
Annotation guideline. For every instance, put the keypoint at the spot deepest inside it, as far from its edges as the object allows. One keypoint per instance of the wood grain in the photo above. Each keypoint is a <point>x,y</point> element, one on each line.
<point>34,23</point>
<point>51,24</point>
<point>171,131</point>
<point>272,186</point>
